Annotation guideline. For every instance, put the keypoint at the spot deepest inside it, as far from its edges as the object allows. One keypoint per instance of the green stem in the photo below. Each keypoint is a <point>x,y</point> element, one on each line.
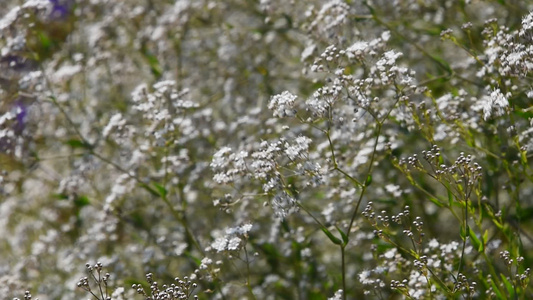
<point>369,172</point>
<point>248,274</point>
<point>343,269</point>
<point>467,232</point>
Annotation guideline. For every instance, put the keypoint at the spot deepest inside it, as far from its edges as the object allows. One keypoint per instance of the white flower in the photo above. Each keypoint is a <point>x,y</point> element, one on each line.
<point>220,244</point>
<point>390,254</point>
<point>317,106</point>
<point>394,190</point>
<point>206,261</point>
<point>283,205</point>
<point>495,103</point>
<point>308,51</point>
<point>389,58</point>
<point>234,243</point>
<point>364,277</point>
<point>66,72</point>
<point>116,121</point>
<point>357,49</point>
<point>433,243</point>
<point>220,158</point>
<point>38,4</point>
<point>246,228</point>
<point>9,18</point>
<point>283,105</point>
<point>527,23</point>
<point>299,149</point>
<point>337,296</point>
<point>118,294</point>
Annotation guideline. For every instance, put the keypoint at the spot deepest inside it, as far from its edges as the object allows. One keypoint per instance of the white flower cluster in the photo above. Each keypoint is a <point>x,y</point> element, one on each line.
<point>283,204</point>
<point>266,165</point>
<point>116,121</point>
<point>264,159</point>
<point>123,185</point>
<point>300,148</point>
<point>509,52</point>
<point>527,23</point>
<point>494,104</point>
<point>154,104</point>
<point>233,239</point>
<point>337,296</point>
<point>331,15</point>
<point>283,105</point>
<point>227,164</point>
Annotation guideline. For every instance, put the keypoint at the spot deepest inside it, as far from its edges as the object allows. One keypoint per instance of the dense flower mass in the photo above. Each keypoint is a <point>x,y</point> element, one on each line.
<point>273,149</point>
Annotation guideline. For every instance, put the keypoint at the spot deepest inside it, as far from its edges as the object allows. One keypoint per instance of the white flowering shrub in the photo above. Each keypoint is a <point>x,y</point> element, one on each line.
<point>321,149</point>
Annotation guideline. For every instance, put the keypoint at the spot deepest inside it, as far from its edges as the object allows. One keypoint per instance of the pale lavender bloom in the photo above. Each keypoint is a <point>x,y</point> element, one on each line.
<point>21,112</point>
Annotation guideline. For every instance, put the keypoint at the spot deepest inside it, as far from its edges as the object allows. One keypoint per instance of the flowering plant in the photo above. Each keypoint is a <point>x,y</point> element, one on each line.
<point>266,149</point>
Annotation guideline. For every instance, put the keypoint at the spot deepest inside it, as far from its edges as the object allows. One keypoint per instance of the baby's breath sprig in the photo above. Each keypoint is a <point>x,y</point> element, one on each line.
<point>99,289</point>
<point>181,289</point>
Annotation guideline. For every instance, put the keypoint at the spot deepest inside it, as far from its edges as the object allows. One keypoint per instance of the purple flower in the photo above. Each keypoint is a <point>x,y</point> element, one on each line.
<point>60,9</point>
<point>16,126</point>
<point>18,63</point>
<point>21,111</point>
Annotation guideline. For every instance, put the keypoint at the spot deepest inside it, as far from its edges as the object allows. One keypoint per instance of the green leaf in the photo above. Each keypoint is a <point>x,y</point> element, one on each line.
<point>475,241</point>
<point>150,189</point>
<point>76,143</point>
<point>155,66</point>
<point>524,213</point>
<point>526,114</point>
<point>161,189</point>
<point>436,201</point>
<point>508,286</point>
<point>345,238</point>
<point>61,196</point>
<point>443,63</point>
<point>463,233</point>
<point>195,259</point>
<point>81,201</point>
<point>368,180</point>
<point>44,39</point>
<point>331,237</point>
<point>496,290</point>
